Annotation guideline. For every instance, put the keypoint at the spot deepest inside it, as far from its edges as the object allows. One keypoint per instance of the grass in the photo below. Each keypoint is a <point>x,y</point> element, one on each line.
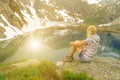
<point>44,71</point>
<point>2,76</point>
<point>69,75</point>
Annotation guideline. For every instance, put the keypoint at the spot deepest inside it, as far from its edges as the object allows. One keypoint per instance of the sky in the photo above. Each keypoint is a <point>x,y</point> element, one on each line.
<point>93,1</point>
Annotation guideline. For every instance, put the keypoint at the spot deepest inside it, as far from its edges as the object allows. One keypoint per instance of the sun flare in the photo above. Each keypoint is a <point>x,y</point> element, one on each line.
<point>34,44</point>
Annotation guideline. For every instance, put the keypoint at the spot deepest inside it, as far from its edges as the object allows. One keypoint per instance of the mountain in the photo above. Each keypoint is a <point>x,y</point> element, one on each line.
<point>108,2</point>
<point>109,13</point>
<point>11,18</point>
<point>17,17</point>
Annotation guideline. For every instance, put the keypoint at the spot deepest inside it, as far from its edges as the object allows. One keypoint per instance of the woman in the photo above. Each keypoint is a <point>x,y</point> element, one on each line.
<point>87,48</point>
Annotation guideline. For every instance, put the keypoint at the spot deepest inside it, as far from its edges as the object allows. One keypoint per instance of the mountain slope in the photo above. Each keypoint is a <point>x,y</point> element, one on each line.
<point>21,16</point>
<point>109,12</point>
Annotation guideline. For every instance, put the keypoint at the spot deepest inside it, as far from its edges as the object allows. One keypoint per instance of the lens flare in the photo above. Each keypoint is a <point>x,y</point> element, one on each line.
<point>34,44</point>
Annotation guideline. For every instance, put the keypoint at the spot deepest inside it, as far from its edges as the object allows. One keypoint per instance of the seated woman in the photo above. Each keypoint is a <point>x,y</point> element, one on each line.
<point>87,48</point>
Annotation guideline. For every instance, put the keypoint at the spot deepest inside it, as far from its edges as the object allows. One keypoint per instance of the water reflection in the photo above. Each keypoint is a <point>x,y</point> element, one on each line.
<point>110,45</point>
<point>54,45</point>
<point>9,47</point>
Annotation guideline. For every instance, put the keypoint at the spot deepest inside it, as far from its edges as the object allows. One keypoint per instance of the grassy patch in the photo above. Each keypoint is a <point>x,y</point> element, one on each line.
<point>69,75</point>
<point>2,76</point>
<point>43,71</point>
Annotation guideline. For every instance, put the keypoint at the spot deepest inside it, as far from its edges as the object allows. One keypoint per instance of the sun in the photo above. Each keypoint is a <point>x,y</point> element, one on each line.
<point>34,44</point>
<point>93,1</point>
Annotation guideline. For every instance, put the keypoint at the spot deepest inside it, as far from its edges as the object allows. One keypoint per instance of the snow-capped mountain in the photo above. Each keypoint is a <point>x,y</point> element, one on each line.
<point>18,17</point>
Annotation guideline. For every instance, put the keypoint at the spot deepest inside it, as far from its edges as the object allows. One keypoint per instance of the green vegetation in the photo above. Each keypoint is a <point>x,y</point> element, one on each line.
<point>43,71</point>
<point>2,76</point>
<point>96,18</point>
<point>69,75</point>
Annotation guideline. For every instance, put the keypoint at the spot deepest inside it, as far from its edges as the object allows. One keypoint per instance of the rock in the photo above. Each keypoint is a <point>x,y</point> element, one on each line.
<point>8,9</point>
<point>2,30</point>
<point>101,68</point>
<point>59,63</point>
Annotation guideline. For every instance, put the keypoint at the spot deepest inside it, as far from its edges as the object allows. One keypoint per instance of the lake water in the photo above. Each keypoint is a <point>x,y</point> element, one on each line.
<point>53,45</point>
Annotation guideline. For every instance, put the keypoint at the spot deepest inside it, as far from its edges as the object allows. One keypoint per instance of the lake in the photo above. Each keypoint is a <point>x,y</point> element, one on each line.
<point>53,45</point>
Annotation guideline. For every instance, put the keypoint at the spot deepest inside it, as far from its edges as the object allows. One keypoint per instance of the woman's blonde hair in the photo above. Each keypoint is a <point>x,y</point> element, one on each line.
<point>91,30</point>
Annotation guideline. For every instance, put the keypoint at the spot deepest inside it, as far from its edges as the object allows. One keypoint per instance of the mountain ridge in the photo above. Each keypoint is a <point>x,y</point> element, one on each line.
<point>18,17</point>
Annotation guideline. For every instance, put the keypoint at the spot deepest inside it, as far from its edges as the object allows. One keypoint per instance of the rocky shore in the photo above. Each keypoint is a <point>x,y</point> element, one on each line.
<point>102,68</point>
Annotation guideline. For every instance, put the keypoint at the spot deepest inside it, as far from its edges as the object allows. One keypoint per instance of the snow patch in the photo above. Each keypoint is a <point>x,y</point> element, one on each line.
<point>17,15</point>
<point>93,1</point>
<point>33,20</point>
<point>11,31</point>
<point>47,1</point>
<point>66,17</point>
<point>109,24</point>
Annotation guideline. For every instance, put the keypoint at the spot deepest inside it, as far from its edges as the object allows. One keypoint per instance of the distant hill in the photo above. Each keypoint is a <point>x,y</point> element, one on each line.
<point>109,12</point>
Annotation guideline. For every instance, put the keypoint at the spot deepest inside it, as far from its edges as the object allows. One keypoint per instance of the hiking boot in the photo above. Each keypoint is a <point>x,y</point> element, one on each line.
<point>68,59</point>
